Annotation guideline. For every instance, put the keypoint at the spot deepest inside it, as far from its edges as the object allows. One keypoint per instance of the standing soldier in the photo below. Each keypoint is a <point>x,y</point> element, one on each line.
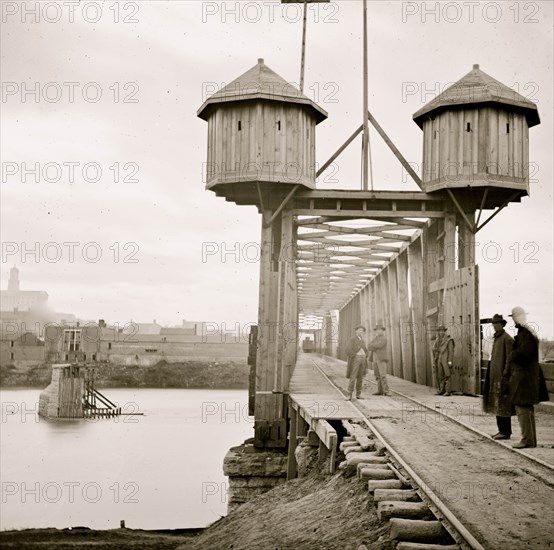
<point>356,366</point>
<point>527,386</point>
<point>380,359</point>
<point>496,398</point>
<point>443,355</point>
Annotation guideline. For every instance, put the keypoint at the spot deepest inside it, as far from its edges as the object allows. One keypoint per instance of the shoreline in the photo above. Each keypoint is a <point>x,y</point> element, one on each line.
<point>216,375</point>
<point>109,539</point>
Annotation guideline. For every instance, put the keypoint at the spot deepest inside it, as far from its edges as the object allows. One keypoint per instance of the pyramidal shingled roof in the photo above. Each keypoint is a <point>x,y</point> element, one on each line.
<point>260,82</point>
<point>477,88</point>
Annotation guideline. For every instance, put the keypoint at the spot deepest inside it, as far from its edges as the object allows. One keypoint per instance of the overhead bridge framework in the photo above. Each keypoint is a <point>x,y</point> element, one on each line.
<point>334,259</point>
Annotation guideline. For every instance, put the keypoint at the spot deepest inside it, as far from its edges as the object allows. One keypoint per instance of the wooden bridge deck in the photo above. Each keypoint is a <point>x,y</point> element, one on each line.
<point>314,395</point>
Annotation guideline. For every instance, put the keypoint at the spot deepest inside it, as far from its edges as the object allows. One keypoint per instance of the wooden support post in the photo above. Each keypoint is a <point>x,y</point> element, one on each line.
<point>395,150</point>
<point>394,313</point>
<point>333,444</point>
<point>323,452</point>
<point>466,242</point>
<point>303,60</point>
<point>269,413</point>
<point>288,302</point>
<point>301,427</point>
<point>291,458</point>
<point>431,267</point>
<point>329,335</point>
<point>387,319</point>
<point>405,318</point>
<point>340,150</point>
<point>418,318</point>
<point>365,142</point>
<point>449,252</point>
<point>372,321</point>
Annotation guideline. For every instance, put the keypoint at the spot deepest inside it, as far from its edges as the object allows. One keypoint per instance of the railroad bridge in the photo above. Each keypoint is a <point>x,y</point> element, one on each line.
<point>333,259</point>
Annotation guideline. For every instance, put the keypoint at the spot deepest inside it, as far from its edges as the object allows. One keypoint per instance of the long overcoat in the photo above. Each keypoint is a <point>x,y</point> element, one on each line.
<point>496,398</point>
<point>527,385</point>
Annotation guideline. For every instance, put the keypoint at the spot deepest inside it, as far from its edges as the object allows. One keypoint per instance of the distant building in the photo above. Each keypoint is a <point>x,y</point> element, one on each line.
<point>32,334</point>
<point>99,342</point>
<point>177,331</point>
<point>142,328</point>
<point>14,324</point>
<point>21,300</point>
<point>22,350</point>
<point>190,327</point>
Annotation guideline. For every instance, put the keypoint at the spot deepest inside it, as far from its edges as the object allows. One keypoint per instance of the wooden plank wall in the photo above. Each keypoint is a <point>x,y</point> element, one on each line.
<point>269,373</point>
<point>349,317</point>
<point>433,241</point>
<point>496,142</point>
<point>275,142</point>
<point>288,300</point>
<point>462,320</point>
<point>406,342</point>
<point>71,389</point>
<point>277,328</point>
<point>330,335</point>
<point>430,282</point>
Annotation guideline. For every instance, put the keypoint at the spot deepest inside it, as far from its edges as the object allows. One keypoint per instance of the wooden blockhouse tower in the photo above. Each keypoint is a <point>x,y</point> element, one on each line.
<point>476,139</point>
<point>261,130</point>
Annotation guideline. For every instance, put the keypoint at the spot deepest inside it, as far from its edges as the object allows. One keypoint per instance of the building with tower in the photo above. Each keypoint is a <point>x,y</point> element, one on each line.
<point>15,299</point>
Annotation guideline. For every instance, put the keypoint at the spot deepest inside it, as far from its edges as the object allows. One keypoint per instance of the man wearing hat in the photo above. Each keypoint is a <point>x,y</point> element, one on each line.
<point>380,359</point>
<point>527,385</point>
<point>356,365</point>
<point>496,398</point>
<point>443,355</point>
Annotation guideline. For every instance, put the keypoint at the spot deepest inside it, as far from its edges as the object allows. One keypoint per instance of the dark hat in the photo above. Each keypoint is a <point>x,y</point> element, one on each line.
<point>379,327</point>
<point>359,326</point>
<point>441,328</point>
<point>497,318</point>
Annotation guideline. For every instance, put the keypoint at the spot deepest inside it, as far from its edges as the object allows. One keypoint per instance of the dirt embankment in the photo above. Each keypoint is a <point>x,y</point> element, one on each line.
<point>189,374</point>
<point>316,512</point>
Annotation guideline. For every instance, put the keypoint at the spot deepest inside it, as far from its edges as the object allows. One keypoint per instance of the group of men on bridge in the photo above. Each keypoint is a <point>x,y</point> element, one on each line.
<point>513,385</point>
<point>358,354</point>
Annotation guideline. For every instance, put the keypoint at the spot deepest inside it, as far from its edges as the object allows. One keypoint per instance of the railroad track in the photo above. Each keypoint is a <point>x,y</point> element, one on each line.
<point>467,426</point>
<point>470,427</point>
<point>461,536</point>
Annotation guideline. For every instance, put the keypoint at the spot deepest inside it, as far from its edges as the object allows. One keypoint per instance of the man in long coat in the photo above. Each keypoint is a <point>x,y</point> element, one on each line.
<point>496,398</point>
<point>527,385</point>
<point>378,347</point>
<point>356,365</point>
<point>443,356</point>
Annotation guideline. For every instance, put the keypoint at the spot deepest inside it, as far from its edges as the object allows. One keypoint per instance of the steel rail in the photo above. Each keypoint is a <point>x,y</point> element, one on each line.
<point>469,539</point>
<point>473,429</point>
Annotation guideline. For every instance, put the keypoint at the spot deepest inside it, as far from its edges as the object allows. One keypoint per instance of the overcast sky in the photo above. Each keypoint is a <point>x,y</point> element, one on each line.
<point>149,214</point>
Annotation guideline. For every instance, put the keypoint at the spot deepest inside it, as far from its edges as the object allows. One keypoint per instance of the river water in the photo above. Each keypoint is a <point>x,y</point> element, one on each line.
<point>162,470</point>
